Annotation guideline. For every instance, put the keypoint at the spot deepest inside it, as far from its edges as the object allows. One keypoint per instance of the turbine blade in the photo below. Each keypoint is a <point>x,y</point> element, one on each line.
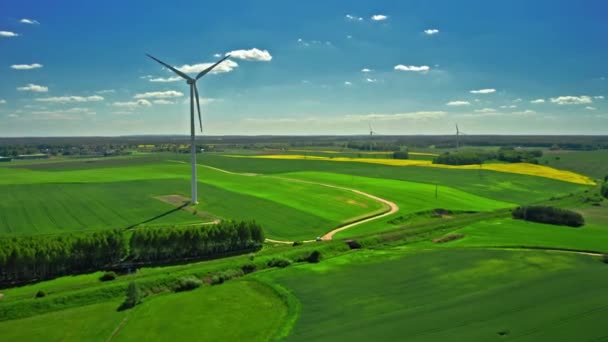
<point>204,72</point>
<point>183,75</point>
<point>198,106</point>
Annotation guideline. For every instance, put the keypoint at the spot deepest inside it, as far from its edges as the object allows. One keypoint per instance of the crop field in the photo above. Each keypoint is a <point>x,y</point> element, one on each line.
<point>452,294</point>
<point>189,315</point>
<point>498,279</point>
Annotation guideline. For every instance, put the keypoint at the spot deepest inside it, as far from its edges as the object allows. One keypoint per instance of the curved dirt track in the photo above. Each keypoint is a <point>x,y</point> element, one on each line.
<point>393,208</point>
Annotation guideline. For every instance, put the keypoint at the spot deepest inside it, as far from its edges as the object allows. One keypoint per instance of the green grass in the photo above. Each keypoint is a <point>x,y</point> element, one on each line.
<point>42,201</point>
<point>501,186</point>
<point>209,313</point>
<point>590,163</point>
<point>451,294</point>
<point>86,323</point>
<point>235,311</point>
<point>409,196</point>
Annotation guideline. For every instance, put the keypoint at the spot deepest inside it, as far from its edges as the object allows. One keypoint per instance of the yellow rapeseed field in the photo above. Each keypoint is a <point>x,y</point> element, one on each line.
<point>519,168</point>
<point>362,152</point>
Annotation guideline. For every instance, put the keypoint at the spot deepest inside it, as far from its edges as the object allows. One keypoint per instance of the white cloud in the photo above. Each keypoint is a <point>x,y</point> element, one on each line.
<point>13,115</point>
<point>458,103</point>
<point>538,101</point>
<point>164,80</point>
<point>590,108</point>
<point>379,17</point>
<point>162,102</point>
<point>217,55</point>
<point>8,34</point>
<point>517,100</point>
<point>571,100</point>
<point>2,101</point>
<point>353,17</point>
<point>159,94</point>
<point>485,110</point>
<point>349,37</point>
<point>251,55</point>
<point>29,21</point>
<point>600,97</point>
<point>509,106</point>
<point>525,112</point>
<point>133,104</point>
<point>421,68</point>
<point>422,115</point>
<point>65,99</point>
<point>145,77</point>
<point>226,66</point>
<point>371,80</point>
<point>26,66</point>
<point>105,91</point>
<point>34,87</point>
<point>347,83</point>
<point>366,70</point>
<point>431,32</point>
<point>483,91</point>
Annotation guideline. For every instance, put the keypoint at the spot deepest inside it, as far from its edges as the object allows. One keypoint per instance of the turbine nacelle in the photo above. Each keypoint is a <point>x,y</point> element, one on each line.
<point>191,81</point>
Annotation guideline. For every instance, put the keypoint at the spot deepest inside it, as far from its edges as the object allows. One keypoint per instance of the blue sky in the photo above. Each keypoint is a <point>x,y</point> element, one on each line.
<point>305,67</point>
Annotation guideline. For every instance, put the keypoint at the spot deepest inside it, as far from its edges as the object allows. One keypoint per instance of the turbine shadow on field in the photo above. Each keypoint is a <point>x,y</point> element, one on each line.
<point>158,216</point>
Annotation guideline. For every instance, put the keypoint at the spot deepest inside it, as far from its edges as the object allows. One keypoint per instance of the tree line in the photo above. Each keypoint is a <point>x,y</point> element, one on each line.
<point>161,245</point>
<point>34,258</point>
<point>506,154</point>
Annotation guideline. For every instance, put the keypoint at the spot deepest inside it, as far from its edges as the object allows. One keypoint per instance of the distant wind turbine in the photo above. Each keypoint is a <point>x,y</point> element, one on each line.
<point>193,94</point>
<point>371,136</point>
<point>458,133</point>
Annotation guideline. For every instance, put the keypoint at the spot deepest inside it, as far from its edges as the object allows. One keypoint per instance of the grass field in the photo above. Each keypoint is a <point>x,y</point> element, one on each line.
<point>41,201</point>
<point>488,285</point>
<point>197,315</point>
<point>590,163</point>
<point>500,186</point>
<point>409,196</point>
<point>450,295</point>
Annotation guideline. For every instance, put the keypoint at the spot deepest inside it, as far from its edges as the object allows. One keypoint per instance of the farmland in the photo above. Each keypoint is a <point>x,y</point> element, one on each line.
<point>500,278</point>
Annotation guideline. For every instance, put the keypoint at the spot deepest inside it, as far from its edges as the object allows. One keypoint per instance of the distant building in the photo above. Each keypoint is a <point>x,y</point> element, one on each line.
<point>5,159</point>
<point>33,156</point>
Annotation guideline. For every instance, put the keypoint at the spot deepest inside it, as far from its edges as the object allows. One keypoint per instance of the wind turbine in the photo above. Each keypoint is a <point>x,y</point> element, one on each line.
<point>458,134</point>
<point>193,93</point>
<point>371,136</point>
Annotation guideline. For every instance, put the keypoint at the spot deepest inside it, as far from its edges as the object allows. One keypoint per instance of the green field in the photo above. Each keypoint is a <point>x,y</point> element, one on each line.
<point>195,315</point>
<point>504,279</point>
<point>591,163</point>
<point>449,295</point>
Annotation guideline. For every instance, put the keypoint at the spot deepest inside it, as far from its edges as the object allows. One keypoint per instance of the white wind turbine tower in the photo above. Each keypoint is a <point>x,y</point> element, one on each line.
<point>371,136</point>
<point>193,94</point>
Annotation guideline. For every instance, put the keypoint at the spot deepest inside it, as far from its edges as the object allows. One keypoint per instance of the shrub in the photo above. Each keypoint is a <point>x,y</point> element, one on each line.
<point>133,296</point>
<point>353,244</point>
<point>279,262</point>
<point>40,294</point>
<point>604,190</point>
<point>222,276</point>
<point>605,258</point>
<point>248,268</point>
<point>297,243</point>
<point>111,275</point>
<point>550,215</point>
<point>187,284</point>
<point>314,257</point>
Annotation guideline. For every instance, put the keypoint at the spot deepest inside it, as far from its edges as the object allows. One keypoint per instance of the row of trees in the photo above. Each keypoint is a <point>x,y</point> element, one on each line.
<point>42,257</point>
<point>604,189</point>
<point>550,215</point>
<point>506,154</point>
<point>161,245</point>
<point>25,259</point>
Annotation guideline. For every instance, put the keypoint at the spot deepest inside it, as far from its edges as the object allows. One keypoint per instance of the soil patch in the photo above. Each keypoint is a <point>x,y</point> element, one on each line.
<point>183,203</point>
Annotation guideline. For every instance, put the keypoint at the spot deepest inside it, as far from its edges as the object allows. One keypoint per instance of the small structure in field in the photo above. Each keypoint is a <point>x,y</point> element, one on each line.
<point>5,159</point>
<point>33,156</point>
